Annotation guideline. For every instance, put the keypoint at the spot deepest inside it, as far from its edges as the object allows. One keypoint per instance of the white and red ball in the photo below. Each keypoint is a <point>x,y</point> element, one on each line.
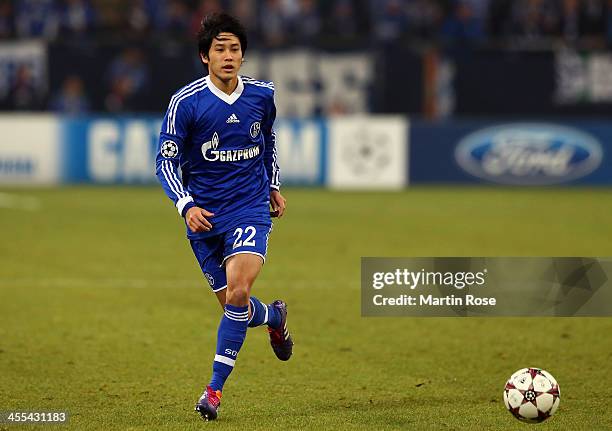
<point>532,395</point>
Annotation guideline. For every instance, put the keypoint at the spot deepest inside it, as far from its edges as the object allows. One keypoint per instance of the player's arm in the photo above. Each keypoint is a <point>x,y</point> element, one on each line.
<point>277,200</point>
<point>169,150</point>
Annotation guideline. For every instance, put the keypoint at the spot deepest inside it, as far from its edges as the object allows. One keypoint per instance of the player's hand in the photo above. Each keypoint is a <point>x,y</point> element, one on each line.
<point>196,219</point>
<point>278,203</point>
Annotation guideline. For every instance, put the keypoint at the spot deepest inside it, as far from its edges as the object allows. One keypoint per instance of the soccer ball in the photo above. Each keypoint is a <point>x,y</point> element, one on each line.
<point>532,395</point>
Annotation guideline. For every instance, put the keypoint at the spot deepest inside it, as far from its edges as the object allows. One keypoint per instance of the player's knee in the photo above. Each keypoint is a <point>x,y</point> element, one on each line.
<point>238,294</point>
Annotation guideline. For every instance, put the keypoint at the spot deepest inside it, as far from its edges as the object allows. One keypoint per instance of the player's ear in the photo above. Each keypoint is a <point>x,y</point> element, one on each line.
<point>204,58</point>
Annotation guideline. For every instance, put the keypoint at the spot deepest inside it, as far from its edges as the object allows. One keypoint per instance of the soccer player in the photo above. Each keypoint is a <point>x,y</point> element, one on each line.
<point>218,130</point>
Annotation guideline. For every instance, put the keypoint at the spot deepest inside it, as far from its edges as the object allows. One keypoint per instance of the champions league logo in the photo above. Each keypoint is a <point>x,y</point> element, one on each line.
<point>367,153</point>
<point>169,149</point>
<point>211,152</point>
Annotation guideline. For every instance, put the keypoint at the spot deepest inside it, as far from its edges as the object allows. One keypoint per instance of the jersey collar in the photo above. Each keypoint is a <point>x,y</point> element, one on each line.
<point>227,98</point>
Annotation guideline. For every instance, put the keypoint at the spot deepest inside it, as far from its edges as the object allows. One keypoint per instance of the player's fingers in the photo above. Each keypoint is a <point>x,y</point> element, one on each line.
<point>279,208</point>
<point>278,205</point>
<point>204,226</point>
<point>207,213</point>
<point>192,227</point>
<point>201,228</point>
<point>196,225</point>
<point>204,222</point>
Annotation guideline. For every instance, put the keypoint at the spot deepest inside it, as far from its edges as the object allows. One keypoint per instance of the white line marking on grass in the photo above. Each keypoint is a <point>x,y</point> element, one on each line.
<point>12,201</point>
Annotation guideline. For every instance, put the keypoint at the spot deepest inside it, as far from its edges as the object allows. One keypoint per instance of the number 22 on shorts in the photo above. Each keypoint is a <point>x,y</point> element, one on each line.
<point>249,232</point>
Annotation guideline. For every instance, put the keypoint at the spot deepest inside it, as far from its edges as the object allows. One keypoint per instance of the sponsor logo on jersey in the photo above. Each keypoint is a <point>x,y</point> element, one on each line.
<point>255,129</point>
<point>232,119</point>
<point>529,154</point>
<point>169,149</point>
<point>211,152</point>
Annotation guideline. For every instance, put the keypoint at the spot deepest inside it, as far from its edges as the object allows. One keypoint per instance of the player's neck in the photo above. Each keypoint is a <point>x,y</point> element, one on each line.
<point>228,87</point>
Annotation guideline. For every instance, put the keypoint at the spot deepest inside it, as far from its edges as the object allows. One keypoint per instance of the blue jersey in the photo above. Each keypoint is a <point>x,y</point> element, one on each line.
<point>225,148</point>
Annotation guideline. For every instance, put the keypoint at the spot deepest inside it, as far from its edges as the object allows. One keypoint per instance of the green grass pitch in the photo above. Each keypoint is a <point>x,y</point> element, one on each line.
<point>104,313</point>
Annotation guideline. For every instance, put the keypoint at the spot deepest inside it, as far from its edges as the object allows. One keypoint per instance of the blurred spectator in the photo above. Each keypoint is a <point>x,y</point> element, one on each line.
<point>7,28</point>
<point>343,21</point>
<point>480,8</point>
<point>246,12</point>
<point>204,8</point>
<point>463,25</point>
<point>392,23</point>
<point>77,18</point>
<point>130,64</point>
<point>291,8</point>
<point>425,17</point>
<point>273,20</point>
<point>570,21</point>
<point>109,25</point>
<point>177,18</point>
<point>120,96</point>
<point>307,22</point>
<point>36,19</point>
<point>24,94</point>
<point>156,11</point>
<point>71,99</point>
<point>138,17</point>
<point>533,19</point>
<point>279,22</point>
<point>128,78</point>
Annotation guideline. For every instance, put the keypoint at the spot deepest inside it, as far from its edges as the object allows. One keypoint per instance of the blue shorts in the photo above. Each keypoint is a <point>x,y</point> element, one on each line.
<point>212,252</point>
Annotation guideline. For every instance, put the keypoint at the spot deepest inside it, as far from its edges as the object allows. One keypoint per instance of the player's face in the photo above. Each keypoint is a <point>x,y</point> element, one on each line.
<point>224,57</point>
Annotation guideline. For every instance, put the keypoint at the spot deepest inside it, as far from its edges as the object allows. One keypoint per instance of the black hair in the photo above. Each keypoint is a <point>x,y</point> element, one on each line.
<point>216,23</point>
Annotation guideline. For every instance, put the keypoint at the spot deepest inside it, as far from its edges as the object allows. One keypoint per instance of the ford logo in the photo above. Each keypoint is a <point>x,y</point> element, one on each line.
<point>529,154</point>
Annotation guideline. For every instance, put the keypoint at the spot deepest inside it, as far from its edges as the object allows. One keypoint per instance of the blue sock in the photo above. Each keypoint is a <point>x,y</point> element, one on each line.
<point>231,335</point>
<point>263,314</point>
